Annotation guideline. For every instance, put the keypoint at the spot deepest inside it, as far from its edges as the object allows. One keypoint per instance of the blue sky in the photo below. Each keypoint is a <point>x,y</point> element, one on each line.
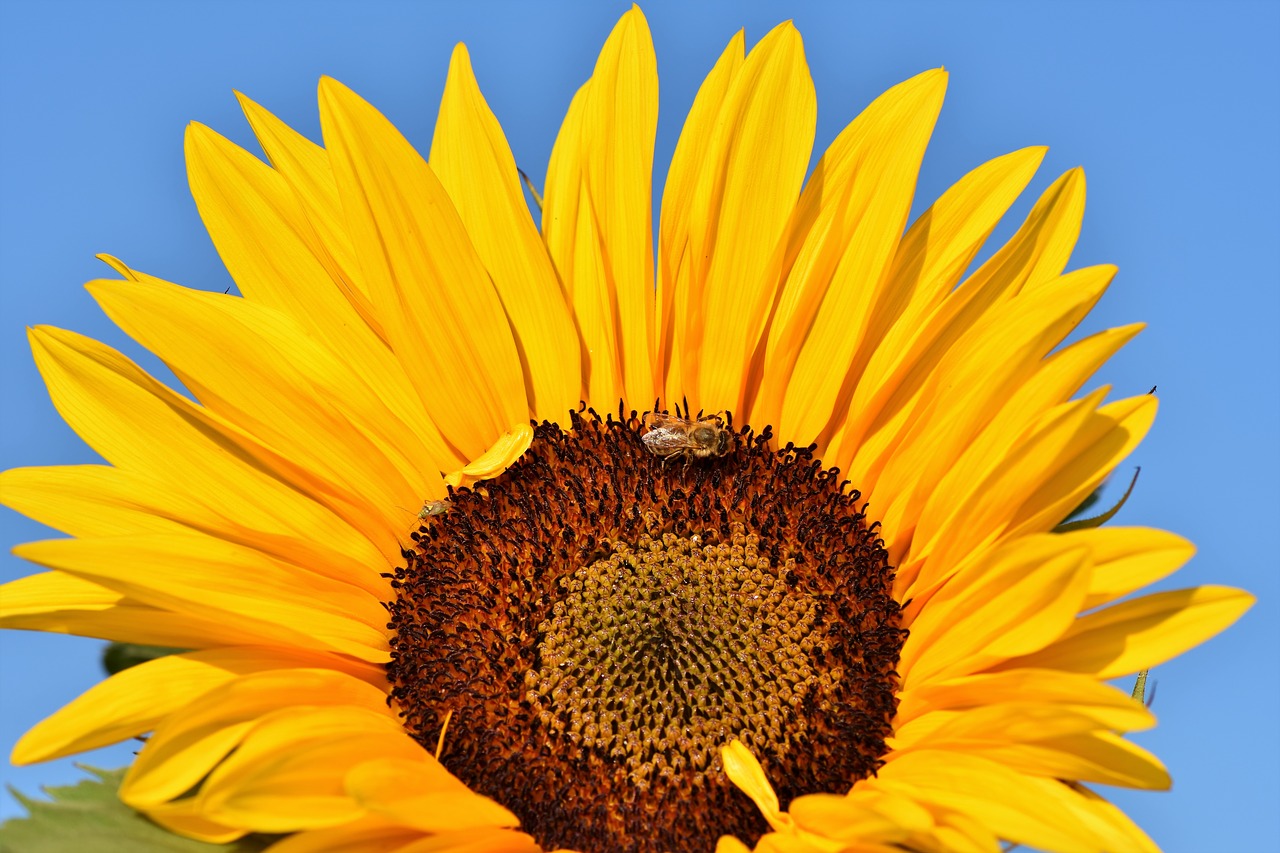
<point>1172,108</point>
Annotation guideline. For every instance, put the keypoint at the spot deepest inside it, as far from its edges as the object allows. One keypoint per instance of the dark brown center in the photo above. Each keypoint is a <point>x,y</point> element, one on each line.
<point>600,622</point>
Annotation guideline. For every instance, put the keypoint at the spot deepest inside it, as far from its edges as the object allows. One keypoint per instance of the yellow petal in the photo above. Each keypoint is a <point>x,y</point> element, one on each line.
<point>928,263</point>
<point>422,794</point>
<point>137,699</point>
<point>439,308</point>
<point>289,770</point>
<point>1017,807</point>
<point>574,244</point>
<point>1102,757</point>
<point>862,188</point>
<point>741,203</point>
<point>1023,598</point>
<point>1109,823</point>
<point>194,739</point>
<point>138,424</point>
<point>96,500</point>
<point>487,840</point>
<point>255,367</point>
<point>597,218</point>
<point>1141,633</point>
<point>260,230</point>
<point>369,834</point>
<point>1037,250</point>
<point>504,452</point>
<point>1029,487</point>
<point>1071,692</point>
<point>744,771</point>
<point>983,372</point>
<point>729,844</point>
<point>619,124</point>
<point>470,155</point>
<point>184,818</point>
<point>674,260</point>
<point>60,603</point>
<point>305,166</point>
<point>209,579</point>
<point>1126,559</point>
<point>841,818</point>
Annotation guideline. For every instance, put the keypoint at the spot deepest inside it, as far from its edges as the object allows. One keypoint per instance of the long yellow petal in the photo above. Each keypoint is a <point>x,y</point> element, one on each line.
<point>597,219</point>
<point>258,226</point>
<point>1023,598</point>
<point>984,370</point>
<point>135,700</point>
<point>62,604</point>
<point>862,188</point>
<point>741,204</point>
<point>255,367</point>
<point>193,740</point>
<point>1017,807</point>
<point>306,168</point>
<point>289,771</point>
<point>1038,250</point>
<point>1126,559</point>
<point>1101,757</point>
<point>674,259</point>
<point>619,125</point>
<point>138,424</point>
<point>439,308</point>
<point>470,155</point>
<point>217,581</point>
<point>574,244</point>
<point>1030,487</point>
<point>1073,692</point>
<point>486,840</point>
<point>99,500</point>
<point>421,793</point>
<point>1141,633</point>
<point>369,834</point>
<point>928,263</point>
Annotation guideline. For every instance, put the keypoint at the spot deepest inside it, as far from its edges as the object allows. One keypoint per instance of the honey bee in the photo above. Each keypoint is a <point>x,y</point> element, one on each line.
<point>670,437</point>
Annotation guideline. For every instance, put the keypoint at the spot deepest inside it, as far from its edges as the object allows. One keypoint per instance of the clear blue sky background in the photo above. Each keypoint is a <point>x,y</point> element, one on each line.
<point>1171,107</point>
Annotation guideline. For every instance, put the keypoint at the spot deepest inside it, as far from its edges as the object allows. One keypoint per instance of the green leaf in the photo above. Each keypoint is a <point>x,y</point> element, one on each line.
<point>121,656</point>
<point>88,816</point>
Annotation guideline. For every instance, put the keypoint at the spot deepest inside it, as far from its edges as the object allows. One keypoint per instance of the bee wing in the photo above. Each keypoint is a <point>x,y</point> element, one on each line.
<point>663,441</point>
<point>659,420</point>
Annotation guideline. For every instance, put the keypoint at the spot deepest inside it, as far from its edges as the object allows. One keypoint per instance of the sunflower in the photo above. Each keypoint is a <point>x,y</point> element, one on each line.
<point>487,537</point>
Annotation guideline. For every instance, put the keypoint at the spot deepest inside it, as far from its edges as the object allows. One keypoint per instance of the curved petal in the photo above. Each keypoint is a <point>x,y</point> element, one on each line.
<point>419,792</point>
<point>192,741</point>
<point>470,155</point>
<point>216,581</point>
<point>289,771</point>
<point>439,308</point>
<point>597,217</point>
<point>1141,633</point>
<point>261,232</point>
<point>856,205</point>
<point>137,699</point>
<point>674,259</point>
<point>62,604</point>
<point>742,198</point>
<point>1024,597</point>
<point>258,369</point>
<point>138,424</point>
<point>306,168</point>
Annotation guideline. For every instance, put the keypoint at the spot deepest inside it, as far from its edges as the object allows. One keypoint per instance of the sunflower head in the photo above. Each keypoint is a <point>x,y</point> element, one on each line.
<point>433,600</point>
